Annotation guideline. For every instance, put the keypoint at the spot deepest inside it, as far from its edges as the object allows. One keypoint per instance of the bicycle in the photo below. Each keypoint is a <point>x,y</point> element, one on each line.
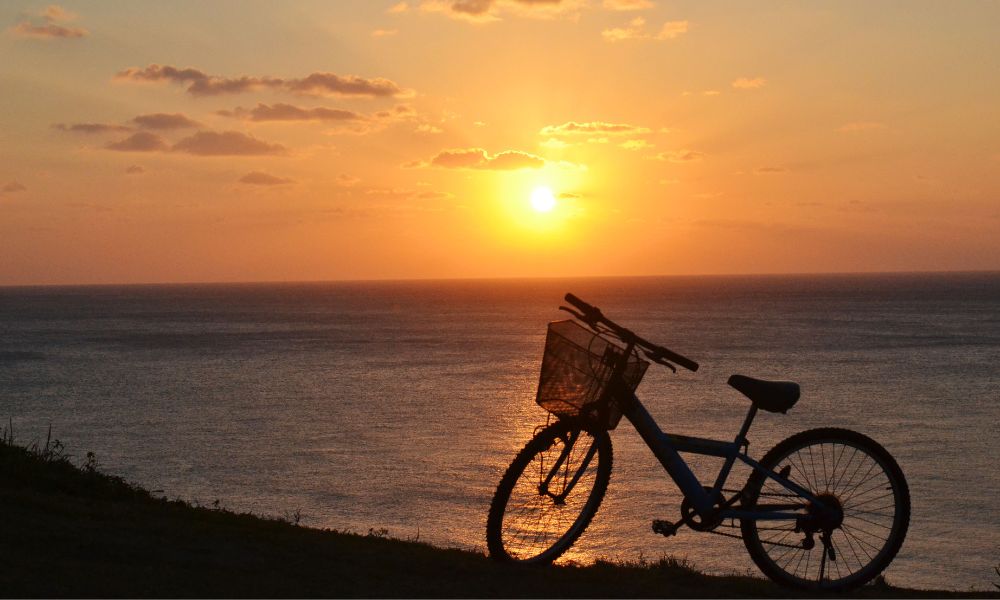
<point>834,484</point>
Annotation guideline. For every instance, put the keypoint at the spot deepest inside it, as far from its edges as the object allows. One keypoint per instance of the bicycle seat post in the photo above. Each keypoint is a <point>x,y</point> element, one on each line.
<point>741,437</point>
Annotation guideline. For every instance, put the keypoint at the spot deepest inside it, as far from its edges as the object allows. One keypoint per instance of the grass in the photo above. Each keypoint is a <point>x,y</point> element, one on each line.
<point>73,531</point>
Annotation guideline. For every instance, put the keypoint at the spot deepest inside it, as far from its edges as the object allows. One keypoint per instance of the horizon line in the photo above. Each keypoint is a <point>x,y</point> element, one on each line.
<point>502,278</point>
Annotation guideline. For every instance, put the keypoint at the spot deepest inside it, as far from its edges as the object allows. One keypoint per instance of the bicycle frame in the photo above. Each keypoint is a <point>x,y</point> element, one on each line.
<point>667,448</point>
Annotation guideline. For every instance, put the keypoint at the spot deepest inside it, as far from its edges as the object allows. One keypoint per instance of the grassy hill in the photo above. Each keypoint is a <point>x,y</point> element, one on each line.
<point>73,531</point>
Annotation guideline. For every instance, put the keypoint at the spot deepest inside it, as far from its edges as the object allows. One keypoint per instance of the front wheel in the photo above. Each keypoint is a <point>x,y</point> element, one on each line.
<point>852,541</point>
<point>549,494</point>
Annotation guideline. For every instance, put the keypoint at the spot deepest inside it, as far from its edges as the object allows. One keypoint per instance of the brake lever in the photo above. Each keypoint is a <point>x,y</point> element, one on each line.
<point>659,360</point>
<point>582,318</point>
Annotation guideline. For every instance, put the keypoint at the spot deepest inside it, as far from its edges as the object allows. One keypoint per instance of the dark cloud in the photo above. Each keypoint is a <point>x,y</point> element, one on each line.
<point>593,128</point>
<point>141,141</point>
<point>226,143</point>
<point>477,158</point>
<point>13,187</point>
<point>134,170</point>
<point>91,127</point>
<point>165,121</point>
<point>326,84</point>
<point>766,170</point>
<point>200,83</point>
<point>262,178</point>
<point>288,112</point>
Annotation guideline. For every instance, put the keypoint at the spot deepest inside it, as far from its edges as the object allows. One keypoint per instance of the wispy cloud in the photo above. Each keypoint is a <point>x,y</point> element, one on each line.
<point>767,170</point>
<point>262,178</point>
<point>746,83</point>
<point>165,121</point>
<point>478,158</point>
<point>226,143</point>
<point>627,4</point>
<point>636,30</point>
<point>592,128</point>
<point>91,127</point>
<point>486,11</point>
<point>635,144</point>
<point>142,141</point>
<point>398,8</point>
<point>202,143</point>
<point>680,156</point>
<point>289,112</point>
<point>380,33</point>
<point>12,187</point>
<point>134,170</point>
<point>200,83</point>
<point>46,25</point>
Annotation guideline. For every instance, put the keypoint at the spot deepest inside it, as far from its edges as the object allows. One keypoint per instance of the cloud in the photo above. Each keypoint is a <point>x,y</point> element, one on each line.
<point>380,33</point>
<point>555,144</point>
<point>711,93</point>
<point>141,141</point>
<point>592,128</point>
<point>226,143</point>
<point>330,84</point>
<point>672,29</point>
<point>346,180</point>
<point>680,156</point>
<point>262,178</point>
<point>861,126</point>
<point>289,112</point>
<point>134,170</point>
<point>428,128</point>
<point>627,4</point>
<point>766,170</point>
<point>50,28</point>
<point>477,158</point>
<point>91,127</point>
<point>485,11</point>
<point>200,83</point>
<point>47,31</point>
<point>12,188</point>
<point>635,144</point>
<point>396,9</point>
<point>165,121</point>
<point>744,83</point>
<point>636,30</point>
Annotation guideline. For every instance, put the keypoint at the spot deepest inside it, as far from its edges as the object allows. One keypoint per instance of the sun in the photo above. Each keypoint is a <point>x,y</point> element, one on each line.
<point>542,199</point>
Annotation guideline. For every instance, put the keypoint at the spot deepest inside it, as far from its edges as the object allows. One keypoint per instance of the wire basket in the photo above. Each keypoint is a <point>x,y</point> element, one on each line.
<point>576,368</point>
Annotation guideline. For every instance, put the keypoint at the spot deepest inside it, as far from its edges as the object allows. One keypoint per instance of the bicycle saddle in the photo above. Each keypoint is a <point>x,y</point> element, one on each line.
<point>773,396</point>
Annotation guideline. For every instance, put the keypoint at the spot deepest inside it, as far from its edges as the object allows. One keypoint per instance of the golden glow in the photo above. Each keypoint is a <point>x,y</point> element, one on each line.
<point>542,199</point>
<point>381,161</point>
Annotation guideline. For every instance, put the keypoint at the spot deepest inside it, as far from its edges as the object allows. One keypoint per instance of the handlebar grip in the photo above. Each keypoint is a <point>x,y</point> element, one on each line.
<point>677,359</point>
<point>583,306</point>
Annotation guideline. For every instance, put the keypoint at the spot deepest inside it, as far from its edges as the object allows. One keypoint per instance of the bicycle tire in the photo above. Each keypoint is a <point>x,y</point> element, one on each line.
<point>501,527</point>
<point>832,477</point>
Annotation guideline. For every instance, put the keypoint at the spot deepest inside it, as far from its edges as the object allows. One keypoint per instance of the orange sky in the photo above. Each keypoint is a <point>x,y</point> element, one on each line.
<point>244,141</point>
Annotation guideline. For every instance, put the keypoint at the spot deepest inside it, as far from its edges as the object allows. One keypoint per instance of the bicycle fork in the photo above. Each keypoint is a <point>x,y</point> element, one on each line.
<point>543,487</point>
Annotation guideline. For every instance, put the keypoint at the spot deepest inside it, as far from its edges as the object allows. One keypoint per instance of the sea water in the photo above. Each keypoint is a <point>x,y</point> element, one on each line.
<point>397,405</point>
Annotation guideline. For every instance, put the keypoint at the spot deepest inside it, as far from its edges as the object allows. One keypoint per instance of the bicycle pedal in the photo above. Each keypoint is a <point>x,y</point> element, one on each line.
<point>665,528</point>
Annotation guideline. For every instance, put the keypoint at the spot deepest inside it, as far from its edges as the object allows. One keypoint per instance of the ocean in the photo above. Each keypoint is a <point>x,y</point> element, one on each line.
<point>397,405</point>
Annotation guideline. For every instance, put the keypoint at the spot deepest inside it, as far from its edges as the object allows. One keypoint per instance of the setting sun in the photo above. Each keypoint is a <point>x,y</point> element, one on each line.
<point>542,199</point>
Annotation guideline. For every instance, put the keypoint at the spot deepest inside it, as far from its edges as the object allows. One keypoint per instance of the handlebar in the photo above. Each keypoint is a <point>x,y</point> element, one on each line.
<point>592,316</point>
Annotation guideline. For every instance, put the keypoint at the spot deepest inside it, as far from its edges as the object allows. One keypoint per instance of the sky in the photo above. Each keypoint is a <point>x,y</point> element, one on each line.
<point>178,141</point>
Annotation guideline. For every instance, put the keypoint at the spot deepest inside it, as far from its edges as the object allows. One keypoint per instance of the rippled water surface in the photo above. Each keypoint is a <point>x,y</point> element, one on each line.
<point>398,405</point>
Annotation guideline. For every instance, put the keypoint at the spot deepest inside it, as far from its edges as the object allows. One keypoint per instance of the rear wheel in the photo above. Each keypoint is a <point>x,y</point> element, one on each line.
<point>855,538</point>
<point>549,494</point>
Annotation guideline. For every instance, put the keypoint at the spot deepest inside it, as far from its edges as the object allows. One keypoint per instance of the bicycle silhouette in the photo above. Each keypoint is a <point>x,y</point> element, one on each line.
<point>833,484</point>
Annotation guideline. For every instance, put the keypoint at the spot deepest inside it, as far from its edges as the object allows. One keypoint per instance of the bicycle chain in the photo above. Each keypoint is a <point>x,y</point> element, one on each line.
<point>740,537</point>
